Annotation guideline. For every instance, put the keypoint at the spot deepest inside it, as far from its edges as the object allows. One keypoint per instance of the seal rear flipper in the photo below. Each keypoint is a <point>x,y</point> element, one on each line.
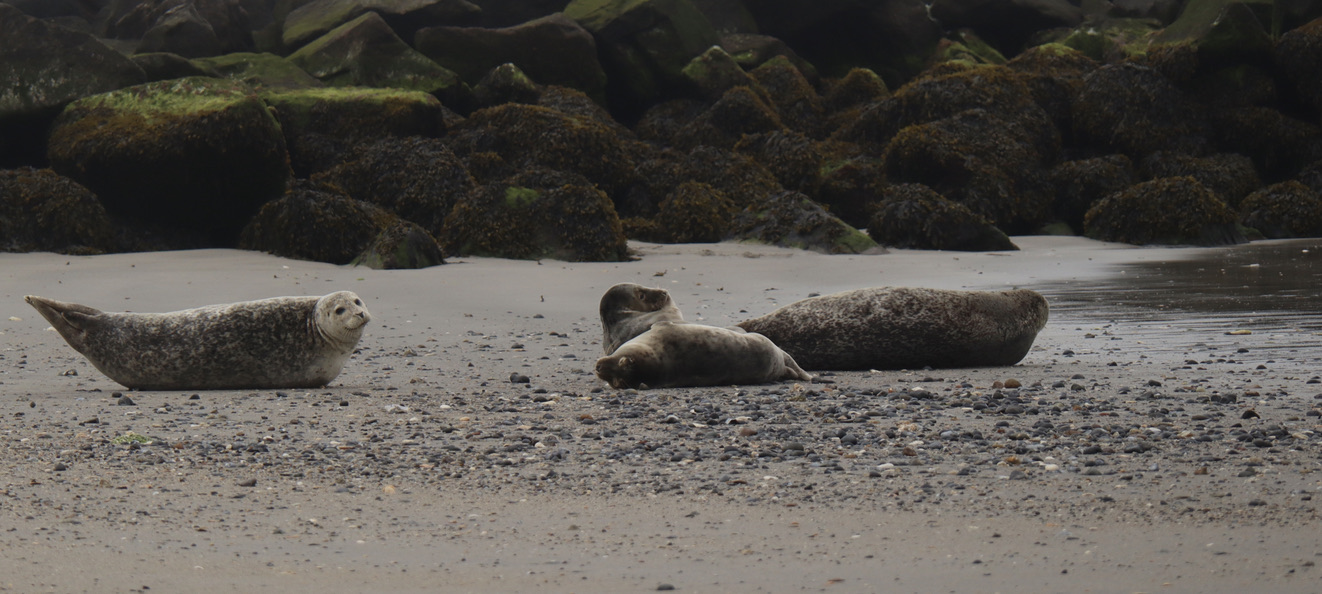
<point>71,320</point>
<point>792,369</point>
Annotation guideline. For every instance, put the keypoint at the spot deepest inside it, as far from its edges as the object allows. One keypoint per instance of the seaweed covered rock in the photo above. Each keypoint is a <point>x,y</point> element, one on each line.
<point>264,72</point>
<point>365,52</point>
<point>792,157</point>
<point>1131,109</point>
<point>44,67</point>
<point>1284,210</point>
<point>41,210</point>
<point>1279,145</point>
<point>852,182</point>
<point>694,213</point>
<point>528,136</point>
<point>165,66</point>
<point>320,125</point>
<point>791,219</point>
<point>738,177</point>
<point>194,153</point>
<point>316,224</point>
<point>1231,177</point>
<point>1054,76</point>
<point>403,246</point>
<point>312,19</point>
<point>1081,184</point>
<point>505,84</point>
<point>1299,56</point>
<point>1168,210</point>
<point>537,214</point>
<point>976,158</point>
<point>792,96</point>
<point>194,28</point>
<point>1007,24</point>
<point>738,112</point>
<point>419,179</point>
<point>712,73</point>
<point>913,216</point>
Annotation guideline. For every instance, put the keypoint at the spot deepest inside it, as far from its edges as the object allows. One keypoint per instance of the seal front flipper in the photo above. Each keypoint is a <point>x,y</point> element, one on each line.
<point>71,320</point>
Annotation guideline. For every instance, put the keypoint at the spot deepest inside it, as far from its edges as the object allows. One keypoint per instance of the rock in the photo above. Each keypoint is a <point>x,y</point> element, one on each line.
<point>166,66</point>
<point>552,50</point>
<point>1054,76</point>
<point>41,210</point>
<point>264,72</point>
<point>1170,210</point>
<point>1106,39</point>
<point>643,44</point>
<point>1279,145</point>
<point>320,125</point>
<point>912,216</point>
<point>316,18</point>
<point>1007,24</point>
<point>851,182</point>
<point>1299,56</point>
<point>695,213</point>
<point>194,153</point>
<point>506,13</point>
<point>403,246</point>
<point>419,179</point>
<point>44,68</point>
<point>365,52</point>
<point>1131,109</point>
<point>197,28</point>
<point>793,96</point>
<point>316,224</point>
<point>505,84</point>
<point>791,219</point>
<point>859,86</point>
<point>536,214</point>
<point>793,158</point>
<point>751,50</point>
<point>1081,184</point>
<point>740,111</point>
<point>737,176</point>
<point>1284,210</point>
<point>714,72</point>
<point>1231,177</point>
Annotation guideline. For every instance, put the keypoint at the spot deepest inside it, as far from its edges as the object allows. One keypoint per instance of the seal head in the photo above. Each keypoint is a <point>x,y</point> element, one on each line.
<point>628,309</point>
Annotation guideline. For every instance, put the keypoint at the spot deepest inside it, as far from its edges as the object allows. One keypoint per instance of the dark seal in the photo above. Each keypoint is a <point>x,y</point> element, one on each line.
<point>906,328</point>
<point>628,310</point>
<point>673,355</point>
<point>283,342</point>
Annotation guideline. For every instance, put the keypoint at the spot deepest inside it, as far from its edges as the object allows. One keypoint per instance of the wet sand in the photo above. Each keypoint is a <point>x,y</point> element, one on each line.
<point>1122,463</point>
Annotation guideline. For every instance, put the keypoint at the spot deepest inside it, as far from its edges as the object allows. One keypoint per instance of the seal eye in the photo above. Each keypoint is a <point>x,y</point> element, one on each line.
<point>339,311</point>
<point>357,301</point>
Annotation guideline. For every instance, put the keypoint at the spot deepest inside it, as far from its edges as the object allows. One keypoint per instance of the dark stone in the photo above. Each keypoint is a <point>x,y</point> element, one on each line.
<point>793,96</point>
<point>751,50</point>
<point>197,28</point>
<point>792,157</point>
<point>1081,184</point>
<point>695,213</point>
<point>1007,24</point>
<point>1169,210</point>
<point>313,19</point>
<point>1133,110</point>
<point>740,111</point>
<point>41,210</point>
<point>316,224</point>
<point>365,52</point>
<point>791,219</point>
<point>167,66</point>
<point>505,84</point>
<point>1299,56</point>
<point>713,73</point>
<point>915,217</point>
<point>1284,210</point>
<point>1231,177</point>
<point>1279,145</point>
<point>264,72</point>
<point>403,246</point>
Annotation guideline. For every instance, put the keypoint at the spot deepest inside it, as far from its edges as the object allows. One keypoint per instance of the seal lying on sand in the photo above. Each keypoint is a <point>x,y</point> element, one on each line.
<point>673,355</point>
<point>628,310</point>
<point>283,342</point>
<point>906,328</point>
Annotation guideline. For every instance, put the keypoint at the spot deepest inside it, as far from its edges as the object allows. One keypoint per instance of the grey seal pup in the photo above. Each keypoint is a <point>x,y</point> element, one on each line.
<point>282,342</point>
<point>628,309</point>
<point>673,355</point>
<point>906,328</point>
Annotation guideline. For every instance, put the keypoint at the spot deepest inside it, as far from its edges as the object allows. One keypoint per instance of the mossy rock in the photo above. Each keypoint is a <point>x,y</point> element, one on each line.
<point>505,84</point>
<point>1230,176</point>
<point>419,179</point>
<point>365,52</point>
<point>1279,145</point>
<point>852,181</point>
<point>1054,76</point>
<point>1131,109</point>
<point>193,153</point>
<point>317,224</point>
<point>695,213</point>
<point>261,71</point>
<point>1105,39</point>
<point>41,210</point>
<point>320,125</point>
<point>714,72</point>
<point>741,178</point>
<point>312,19</point>
<point>403,246</point>
<point>537,214</point>
<point>793,96</point>
<point>751,50</point>
<point>792,157</point>
<point>967,48</point>
<point>167,66</point>
<point>1222,27</point>
<point>662,122</point>
<point>912,216</point>
<point>1166,211</point>
<point>1081,184</point>
<point>1299,57</point>
<point>1284,210</point>
<point>859,86</point>
<point>739,111</point>
<point>791,219</point>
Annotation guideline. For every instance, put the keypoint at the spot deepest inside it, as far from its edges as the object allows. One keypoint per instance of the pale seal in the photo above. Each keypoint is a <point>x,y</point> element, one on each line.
<point>282,342</point>
<point>628,310</point>
<point>906,328</point>
<point>673,355</point>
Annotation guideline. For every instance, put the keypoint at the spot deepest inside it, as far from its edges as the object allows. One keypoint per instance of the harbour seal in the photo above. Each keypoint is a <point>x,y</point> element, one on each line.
<point>672,355</point>
<point>282,342</point>
<point>906,328</point>
<point>628,310</point>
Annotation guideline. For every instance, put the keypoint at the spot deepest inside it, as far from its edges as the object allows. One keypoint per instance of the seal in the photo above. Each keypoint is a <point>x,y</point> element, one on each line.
<point>628,310</point>
<point>906,328</point>
<point>671,355</point>
<point>282,342</point>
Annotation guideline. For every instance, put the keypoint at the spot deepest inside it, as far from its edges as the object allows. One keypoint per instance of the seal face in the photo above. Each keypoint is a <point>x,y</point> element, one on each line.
<point>282,342</point>
<point>677,354</point>
<point>906,328</point>
<point>628,310</point>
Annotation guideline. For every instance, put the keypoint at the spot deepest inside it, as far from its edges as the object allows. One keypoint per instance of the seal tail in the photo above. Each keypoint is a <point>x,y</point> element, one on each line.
<point>71,320</point>
<point>793,370</point>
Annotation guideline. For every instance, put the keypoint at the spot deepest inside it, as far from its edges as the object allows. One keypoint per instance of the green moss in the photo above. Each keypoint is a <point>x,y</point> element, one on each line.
<point>517,197</point>
<point>260,71</point>
<point>169,100</point>
<point>360,106</point>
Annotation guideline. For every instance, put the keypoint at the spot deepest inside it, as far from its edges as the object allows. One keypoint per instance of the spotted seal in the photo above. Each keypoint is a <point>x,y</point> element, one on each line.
<point>282,342</point>
<point>677,354</point>
<point>628,309</point>
<point>906,328</point>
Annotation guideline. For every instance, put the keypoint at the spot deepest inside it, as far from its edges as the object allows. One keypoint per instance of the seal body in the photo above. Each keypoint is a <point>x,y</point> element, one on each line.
<point>628,310</point>
<point>282,342</point>
<point>906,328</point>
<point>677,354</point>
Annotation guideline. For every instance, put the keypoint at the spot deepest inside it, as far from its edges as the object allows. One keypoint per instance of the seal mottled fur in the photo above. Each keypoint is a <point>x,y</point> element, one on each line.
<point>282,342</point>
<point>906,328</point>
<point>628,309</point>
<point>673,355</point>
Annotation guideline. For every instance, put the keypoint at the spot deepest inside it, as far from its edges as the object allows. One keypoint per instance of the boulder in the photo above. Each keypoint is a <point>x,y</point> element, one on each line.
<point>791,219</point>
<point>1279,145</point>
<point>1299,56</point>
<point>852,181</point>
<point>714,72</point>
<point>694,213</point>
<point>912,216</point>
<point>1007,24</point>
<point>41,210</point>
<point>44,67</point>
<point>1284,210</point>
<point>1231,177</point>
<point>1081,184</point>
<point>507,13</point>
<point>537,214</point>
<point>315,18</point>
<point>264,72</point>
<point>751,50</point>
<point>505,84</point>
<point>317,224</point>
<point>552,50</point>
<point>197,28</point>
<point>740,111</point>
<point>403,246</point>
<point>792,157</point>
<point>1054,75</point>
<point>1131,109</point>
<point>365,52</point>
<point>192,153</point>
<point>167,66</point>
<point>1168,211</point>
<point>794,98</point>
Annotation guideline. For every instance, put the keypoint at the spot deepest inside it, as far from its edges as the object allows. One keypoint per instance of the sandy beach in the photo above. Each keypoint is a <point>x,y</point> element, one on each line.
<point>467,447</point>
